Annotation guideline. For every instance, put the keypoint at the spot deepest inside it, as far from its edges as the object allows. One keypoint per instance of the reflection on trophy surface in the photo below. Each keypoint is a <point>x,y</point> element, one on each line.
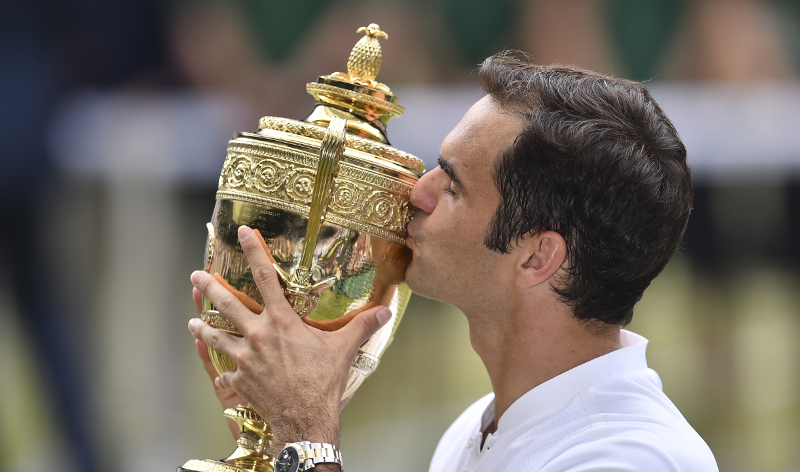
<point>329,198</point>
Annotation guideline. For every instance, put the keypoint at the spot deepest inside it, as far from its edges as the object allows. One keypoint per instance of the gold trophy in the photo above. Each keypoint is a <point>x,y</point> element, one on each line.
<point>329,198</point>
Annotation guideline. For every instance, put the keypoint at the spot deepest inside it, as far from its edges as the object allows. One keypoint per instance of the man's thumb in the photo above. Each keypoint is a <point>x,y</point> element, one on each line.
<point>366,324</point>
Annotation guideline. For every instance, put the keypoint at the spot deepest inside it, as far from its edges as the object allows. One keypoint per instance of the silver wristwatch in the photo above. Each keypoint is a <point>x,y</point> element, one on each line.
<point>305,455</point>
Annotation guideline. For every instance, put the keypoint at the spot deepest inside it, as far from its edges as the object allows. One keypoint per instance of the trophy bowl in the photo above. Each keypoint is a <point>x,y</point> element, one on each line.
<point>329,199</point>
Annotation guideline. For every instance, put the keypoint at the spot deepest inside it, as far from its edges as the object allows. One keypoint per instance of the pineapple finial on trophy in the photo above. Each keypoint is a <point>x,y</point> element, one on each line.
<point>365,59</point>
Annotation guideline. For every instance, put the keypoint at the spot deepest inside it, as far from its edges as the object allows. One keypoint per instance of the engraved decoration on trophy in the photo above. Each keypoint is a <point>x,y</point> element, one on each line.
<point>329,198</point>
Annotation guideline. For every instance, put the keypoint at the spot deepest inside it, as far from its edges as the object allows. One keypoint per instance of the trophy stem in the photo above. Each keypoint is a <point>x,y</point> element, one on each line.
<point>253,448</point>
<point>254,445</point>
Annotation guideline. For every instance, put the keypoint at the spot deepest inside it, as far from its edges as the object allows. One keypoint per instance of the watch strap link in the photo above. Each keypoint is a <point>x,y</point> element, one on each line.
<point>319,453</point>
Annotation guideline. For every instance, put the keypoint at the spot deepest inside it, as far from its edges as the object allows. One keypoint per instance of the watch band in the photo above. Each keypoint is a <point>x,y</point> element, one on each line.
<point>319,453</point>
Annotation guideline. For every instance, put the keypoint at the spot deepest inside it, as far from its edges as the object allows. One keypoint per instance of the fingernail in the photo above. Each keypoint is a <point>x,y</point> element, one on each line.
<point>217,382</point>
<point>193,324</point>
<point>384,315</point>
<point>244,233</point>
<point>197,276</point>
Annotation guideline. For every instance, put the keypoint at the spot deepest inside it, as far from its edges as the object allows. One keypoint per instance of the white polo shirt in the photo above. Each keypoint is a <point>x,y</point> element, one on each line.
<point>608,414</point>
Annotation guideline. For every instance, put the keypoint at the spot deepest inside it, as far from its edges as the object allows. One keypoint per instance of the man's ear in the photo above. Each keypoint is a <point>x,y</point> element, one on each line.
<point>541,256</point>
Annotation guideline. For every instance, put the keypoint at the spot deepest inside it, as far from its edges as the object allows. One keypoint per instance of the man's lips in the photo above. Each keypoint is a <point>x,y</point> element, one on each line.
<point>410,241</point>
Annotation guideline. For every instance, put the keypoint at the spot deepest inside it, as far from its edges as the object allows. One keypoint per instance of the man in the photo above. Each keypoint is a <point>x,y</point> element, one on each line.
<point>558,198</point>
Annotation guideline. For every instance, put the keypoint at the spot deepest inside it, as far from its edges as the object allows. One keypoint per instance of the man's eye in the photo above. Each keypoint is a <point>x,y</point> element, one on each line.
<point>448,190</point>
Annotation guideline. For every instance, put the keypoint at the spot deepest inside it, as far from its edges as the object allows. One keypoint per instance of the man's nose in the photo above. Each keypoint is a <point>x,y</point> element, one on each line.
<point>422,195</point>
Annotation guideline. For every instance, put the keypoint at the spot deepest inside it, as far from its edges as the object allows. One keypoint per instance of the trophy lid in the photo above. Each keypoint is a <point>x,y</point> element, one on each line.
<point>356,96</point>
<point>357,90</point>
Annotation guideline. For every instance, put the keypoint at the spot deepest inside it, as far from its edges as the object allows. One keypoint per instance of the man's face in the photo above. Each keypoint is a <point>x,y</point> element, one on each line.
<point>456,202</point>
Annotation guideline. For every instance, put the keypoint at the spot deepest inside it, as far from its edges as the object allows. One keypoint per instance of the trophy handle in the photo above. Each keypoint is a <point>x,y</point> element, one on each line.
<point>302,294</point>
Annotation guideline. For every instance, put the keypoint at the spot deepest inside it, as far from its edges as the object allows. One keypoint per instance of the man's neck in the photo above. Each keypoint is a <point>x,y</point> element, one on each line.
<point>527,349</point>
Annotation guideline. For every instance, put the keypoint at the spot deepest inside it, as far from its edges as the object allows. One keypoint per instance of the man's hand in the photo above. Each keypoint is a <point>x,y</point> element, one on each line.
<point>227,397</point>
<point>292,374</point>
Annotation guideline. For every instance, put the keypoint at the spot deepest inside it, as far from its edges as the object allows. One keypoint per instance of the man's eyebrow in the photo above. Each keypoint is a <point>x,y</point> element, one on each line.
<point>448,169</point>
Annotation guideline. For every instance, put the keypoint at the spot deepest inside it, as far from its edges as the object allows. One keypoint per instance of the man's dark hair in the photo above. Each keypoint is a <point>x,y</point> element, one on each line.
<point>599,163</point>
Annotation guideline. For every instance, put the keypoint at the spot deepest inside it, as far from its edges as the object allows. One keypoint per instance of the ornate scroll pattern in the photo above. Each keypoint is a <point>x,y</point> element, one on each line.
<point>361,199</point>
<point>354,142</point>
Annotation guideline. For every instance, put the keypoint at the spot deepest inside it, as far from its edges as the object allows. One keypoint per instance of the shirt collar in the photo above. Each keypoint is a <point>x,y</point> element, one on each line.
<point>553,395</point>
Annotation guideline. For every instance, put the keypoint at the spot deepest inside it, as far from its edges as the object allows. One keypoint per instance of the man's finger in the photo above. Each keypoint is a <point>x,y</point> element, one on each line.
<point>215,339</point>
<point>224,301</point>
<point>202,351</point>
<point>197,296</point>
<point>264,274</point>
<point>225,379</point>
<point>365,325</point>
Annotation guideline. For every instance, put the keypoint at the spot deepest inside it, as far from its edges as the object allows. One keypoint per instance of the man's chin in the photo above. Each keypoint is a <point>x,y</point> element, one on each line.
<point>416,283</point>
<point>411,279</point>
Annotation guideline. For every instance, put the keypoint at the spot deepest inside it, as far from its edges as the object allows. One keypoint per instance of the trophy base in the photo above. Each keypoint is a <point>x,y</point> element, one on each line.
<point>207,465</point>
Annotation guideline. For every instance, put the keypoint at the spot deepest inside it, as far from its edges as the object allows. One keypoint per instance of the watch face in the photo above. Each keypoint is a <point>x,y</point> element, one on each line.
<point>287,461</point>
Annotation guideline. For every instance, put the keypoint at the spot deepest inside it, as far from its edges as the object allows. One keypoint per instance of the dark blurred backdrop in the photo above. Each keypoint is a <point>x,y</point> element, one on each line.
<point>114,118</point>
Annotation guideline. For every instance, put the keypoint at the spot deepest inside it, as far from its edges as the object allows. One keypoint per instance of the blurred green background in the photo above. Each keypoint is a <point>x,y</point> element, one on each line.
<point>113,125</point>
